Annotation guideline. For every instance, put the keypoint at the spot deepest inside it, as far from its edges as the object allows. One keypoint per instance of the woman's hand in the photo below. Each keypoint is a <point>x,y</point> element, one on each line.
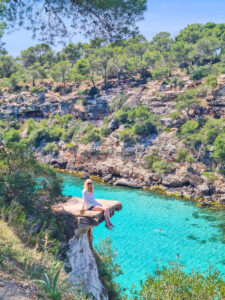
<point>82,211</point>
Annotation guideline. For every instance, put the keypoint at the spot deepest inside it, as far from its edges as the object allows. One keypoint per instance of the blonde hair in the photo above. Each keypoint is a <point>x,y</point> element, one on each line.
<point>86,185</point>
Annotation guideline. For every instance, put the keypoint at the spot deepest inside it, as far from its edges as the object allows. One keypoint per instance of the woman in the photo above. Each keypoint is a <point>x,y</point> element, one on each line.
<point>89,203</point>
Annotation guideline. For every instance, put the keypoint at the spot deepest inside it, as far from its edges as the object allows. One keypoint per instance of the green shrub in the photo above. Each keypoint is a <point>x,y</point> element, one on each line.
<point>55,133</point>
<point>127,136</point>
<point>82,92</point>
<point>50,148</point>
<point>36,90</point>
<point>121,116</point>
<point>150,159</point>
<point>104,131</point>
<point>209,175</point>
<point>38,135</point>
<point>199,73</point>
<point>144,127</point>
<point>181,155</point>
<point>92,135</point>
<point>173,283</point>
<point>70,146</point>
<point>175,115</point>
<point>219,148</point>
<point>108,268</point>
<point>12,135</point>
<point>187,99</point>
<point>24,180</point>
<point>211,81</point>
<point>160,73</point>
<point>162,167</point>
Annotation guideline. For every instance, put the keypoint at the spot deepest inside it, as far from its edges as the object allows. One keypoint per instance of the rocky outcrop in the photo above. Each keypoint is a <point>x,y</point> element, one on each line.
<point>84,273</point>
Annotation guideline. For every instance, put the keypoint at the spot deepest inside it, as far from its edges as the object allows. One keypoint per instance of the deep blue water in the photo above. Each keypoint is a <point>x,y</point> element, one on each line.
<point>192,232</point>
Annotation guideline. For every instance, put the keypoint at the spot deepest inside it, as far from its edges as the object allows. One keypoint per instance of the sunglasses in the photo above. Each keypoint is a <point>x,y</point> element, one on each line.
<point>89,183</point>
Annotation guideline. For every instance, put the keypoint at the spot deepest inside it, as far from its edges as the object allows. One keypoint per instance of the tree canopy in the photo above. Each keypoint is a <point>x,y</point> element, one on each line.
<point>56,20</point>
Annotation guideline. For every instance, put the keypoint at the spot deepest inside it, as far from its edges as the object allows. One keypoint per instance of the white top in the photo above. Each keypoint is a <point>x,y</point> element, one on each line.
<point>89,199</point>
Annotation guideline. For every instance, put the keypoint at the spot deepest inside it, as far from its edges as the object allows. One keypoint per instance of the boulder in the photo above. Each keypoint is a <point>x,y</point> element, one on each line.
<point>125,182</point>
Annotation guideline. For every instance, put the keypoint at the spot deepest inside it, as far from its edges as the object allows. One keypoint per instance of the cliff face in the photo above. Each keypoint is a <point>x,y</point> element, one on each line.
<point>84,273</point>
<point>84,269</point>
<point>120,163</point>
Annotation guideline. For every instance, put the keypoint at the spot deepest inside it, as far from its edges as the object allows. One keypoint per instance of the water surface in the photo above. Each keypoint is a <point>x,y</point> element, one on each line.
<point>196,234</point>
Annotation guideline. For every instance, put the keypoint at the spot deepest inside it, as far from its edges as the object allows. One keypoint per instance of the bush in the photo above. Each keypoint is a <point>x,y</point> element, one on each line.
<point>121,116</point>
<point>150,159</point>
<point>209,175</point>
<point>12,135</point>
<point>91,136</point>
<point>181,155</point>
<point>173,283</point>
<point>211,81</point>
<point>127,136</point>
<point>160,73</point>
<point>162,167</point>
<point>187,99</point>
<point>55,133</point>
<point>36,90</point>
<point>199,73</point>
<point>104,131</point>
<point>38,135</point>
<point>71,146</point>
<point>50,148</point>
<point>108,268</point>
<point>219,148</point>
<point>25,181</point>
<point>144,128</point>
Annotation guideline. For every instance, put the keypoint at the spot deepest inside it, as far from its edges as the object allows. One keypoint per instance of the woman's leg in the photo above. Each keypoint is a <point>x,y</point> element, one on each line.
<point>106,213</point>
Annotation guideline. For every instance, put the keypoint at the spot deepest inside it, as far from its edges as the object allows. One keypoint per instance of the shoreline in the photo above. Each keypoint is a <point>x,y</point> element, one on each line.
<point>158,189</point>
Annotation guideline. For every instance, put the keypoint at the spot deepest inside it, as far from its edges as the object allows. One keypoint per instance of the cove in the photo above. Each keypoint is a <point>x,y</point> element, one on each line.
<point>196,234</point>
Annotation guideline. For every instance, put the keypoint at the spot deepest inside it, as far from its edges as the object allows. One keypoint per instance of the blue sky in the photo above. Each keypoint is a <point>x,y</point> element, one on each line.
<point>162,15</point>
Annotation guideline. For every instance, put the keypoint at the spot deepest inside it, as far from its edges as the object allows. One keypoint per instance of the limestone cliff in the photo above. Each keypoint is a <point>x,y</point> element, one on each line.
<point>81,258</point>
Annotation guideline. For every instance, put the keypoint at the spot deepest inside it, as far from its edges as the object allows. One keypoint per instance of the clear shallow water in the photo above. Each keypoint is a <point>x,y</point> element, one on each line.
<point>195,233</point>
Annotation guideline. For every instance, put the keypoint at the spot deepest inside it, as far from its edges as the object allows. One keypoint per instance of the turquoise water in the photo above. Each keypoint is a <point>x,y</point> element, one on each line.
<point>195,233</point>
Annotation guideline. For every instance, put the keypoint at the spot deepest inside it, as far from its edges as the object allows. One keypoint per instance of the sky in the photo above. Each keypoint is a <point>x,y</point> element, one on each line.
<point>161,15</point>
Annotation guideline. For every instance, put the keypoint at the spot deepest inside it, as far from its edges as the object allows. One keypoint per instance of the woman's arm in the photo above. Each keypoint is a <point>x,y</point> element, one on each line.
<point>84,198</point>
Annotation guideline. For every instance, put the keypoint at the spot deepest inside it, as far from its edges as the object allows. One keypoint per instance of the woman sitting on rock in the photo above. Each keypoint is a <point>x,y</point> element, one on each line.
<point>89,203</point>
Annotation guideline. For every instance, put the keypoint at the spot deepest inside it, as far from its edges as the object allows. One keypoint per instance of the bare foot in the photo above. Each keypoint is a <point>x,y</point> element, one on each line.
<point>108,226</point>
<point>111,224</point>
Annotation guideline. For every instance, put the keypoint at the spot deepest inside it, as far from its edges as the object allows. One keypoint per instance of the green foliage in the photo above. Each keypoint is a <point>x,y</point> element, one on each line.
<point>199,73</point>
<point>91,134</point>
<point>12,135</point>
<point>55,133</point>
<point>36,89</point>
<point>52,286</point>
<point>219,148</point>
<point>211,80</point>
<point>189,132</point>
<point>108,268</point>
<point>175,115</point>
<point>181,155</point>
<point>127,136</point>
<point>187,99</point>
<point>143,121</point>
<point>50,148</point>
<point>173,283</point>
<point>162,167</point>
<point>160,73</point>
<point>118,101</point>
<point>70,146</point>
<point>150,159</point>
<point>104,131</point>
<point>209,175</point>
<point>25,181</point>
<point>144,128</point>
<point>61,71</point>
